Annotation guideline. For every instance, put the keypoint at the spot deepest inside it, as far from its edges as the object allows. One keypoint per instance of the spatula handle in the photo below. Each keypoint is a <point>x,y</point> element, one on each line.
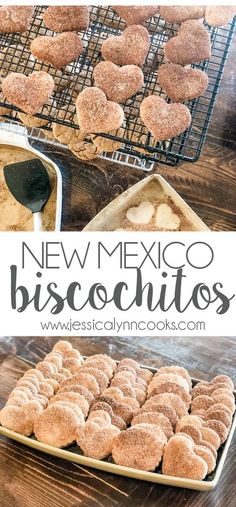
<point>37,221</point>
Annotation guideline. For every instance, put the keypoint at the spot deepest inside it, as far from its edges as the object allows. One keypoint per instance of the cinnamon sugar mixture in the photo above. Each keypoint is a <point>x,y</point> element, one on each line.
<point>14,216</point>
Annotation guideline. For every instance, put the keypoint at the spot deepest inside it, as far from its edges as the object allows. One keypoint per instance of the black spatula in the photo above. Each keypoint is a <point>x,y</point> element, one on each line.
<point>29,183</point>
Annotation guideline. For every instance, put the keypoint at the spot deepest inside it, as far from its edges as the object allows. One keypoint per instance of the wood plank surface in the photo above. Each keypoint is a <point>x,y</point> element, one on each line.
<point>208,185</point>
<point>32,479</point>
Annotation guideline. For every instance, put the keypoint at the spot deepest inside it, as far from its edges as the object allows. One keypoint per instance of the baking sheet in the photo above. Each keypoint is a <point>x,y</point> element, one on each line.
<point>72,453</point>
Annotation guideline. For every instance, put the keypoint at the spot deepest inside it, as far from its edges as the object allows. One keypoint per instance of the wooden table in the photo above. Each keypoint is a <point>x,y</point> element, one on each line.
<point>208,185</point>
<point>32,479</point>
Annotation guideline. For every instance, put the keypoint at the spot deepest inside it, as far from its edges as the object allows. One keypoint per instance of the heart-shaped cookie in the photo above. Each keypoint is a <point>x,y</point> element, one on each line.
<point>66,19</point>
<point>191,45</point>
<point>59,51</point>
<point>130,48</point>
<point>164,120</point>
<point>118,83</point>
<point>96,114</point>
<point>219,15</point>
<point>29,93</point>
<point>141,214</point>
<point>182,83</point>
<point>181,460</point>
<point>136,15</point>
<point>178,14</point>
<point>166,219</point>
<point>15,19</point>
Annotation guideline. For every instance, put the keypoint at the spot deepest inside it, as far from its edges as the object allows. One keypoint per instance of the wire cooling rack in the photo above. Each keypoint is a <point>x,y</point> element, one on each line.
<point>136,141</point>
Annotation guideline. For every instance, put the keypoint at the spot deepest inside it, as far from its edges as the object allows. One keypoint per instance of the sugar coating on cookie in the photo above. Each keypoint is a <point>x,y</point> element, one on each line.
<point>138,448</point>
<point>77,388</point>
<point>182,83</point>
<point>219,15</point>
<point>15,419</point>
<point>161,408</point>
<point>95,113</point>
<point>15,19</point>
<point>57,425</point>
<point>76,398</point>
<point>63,19</point>
<point>154,418</point>
<point>164,120</point>
<point>136,15</point>
<point>29,93</point>
<point>207,456</point>
<point>130,48</point>
<point>191,44</point>
<point>58,51</point>
<point>99,375</point>
<point>96,442</point>
<point>118,83</point>
<point>178,14</point>
<point>171,387</point>
<point>62,346</point>
<point>173,400</point>
<point>180,459</point>
<point>169,377</point>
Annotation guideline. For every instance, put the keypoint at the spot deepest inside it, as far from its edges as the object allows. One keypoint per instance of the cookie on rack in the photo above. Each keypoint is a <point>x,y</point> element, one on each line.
<point>118,83</point>
<point>130,48</point>
<point>182,83</point>
<point>15,19</point>
<point>178,14</point>
<point>66,19</point>
<point>59,50</point>
<point>28,93</point>
<point>219,15</point>
<point>192,44</point>
<point>164,120</point>
<point>96,114</point>
<point>136,15</point>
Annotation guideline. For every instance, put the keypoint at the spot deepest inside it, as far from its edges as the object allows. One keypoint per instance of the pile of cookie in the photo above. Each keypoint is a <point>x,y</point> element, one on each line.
<point>123,411</point>
<point>117,78</point>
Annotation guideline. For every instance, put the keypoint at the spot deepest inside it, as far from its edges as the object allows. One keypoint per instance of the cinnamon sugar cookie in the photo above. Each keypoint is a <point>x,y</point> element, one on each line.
<point>130,48</point>
<point>179,370</point>
<point>138,448</point>
<point>178,14</point>
<point>66,19</point>
<point>96,442</point>
<point>57,425</point>
<point>160,408</point>
<point>62,347</point>
<point>136,15</point>
<point>57,51</point>
<point>182,83</point>
<point>15,19</point>
<point>118,83</point>
<point>191,44</point>
<point>164,120</point>
<point>73,397</point>
<point>219,15</point>
<point>180,459</point>
<point>97,114</point>
<point>171,387</point>
<point>154,418</point>
<point>17,419</point>
<point>29,93</point>
<point>76,388</point>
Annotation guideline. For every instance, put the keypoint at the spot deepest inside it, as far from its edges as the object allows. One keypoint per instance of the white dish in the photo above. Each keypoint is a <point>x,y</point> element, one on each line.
<point>103,221</point>
<point>156,477</point>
